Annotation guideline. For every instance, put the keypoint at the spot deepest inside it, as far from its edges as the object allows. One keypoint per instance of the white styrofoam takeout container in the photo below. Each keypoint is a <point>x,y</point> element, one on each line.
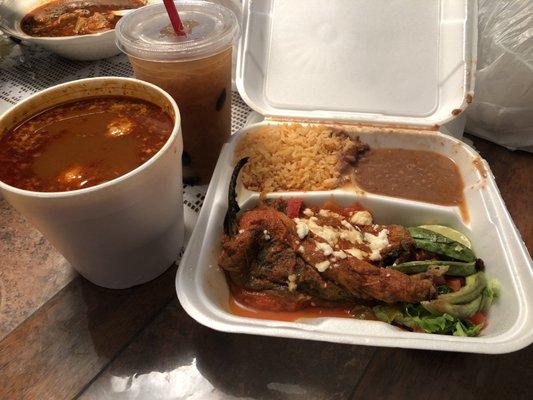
<point>274,36</point>
<point>95,46</point>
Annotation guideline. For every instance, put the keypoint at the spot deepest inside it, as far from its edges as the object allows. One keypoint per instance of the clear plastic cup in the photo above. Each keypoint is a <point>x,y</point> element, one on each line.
<point>195,70</point>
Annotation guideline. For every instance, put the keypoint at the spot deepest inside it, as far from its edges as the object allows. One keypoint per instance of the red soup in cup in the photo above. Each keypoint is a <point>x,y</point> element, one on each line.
<point>95,165</point>
<point>82,143</point>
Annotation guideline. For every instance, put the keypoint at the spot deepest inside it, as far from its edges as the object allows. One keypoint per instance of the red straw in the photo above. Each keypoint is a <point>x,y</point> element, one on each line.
<point>174,17</point>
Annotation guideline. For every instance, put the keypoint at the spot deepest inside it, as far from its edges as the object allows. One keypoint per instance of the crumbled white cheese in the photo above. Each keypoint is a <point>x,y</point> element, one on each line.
<point>301,228</point>
<point>329,214</point>
<point>266,235</point>
<point>377,243</point>
<point>330,234</point>
<point>322,266</point>
<point>352,236</point>
<point>346,224</point>
<point>301,250</point>
<point>340,254</point>
<point>241,230</point>
<point>361,218</point>
<point>357,253</point>
<point>326,248</point>
<point>327,233</point>
<point>292,282</point>
<point>308,212</point>
<point>375,255</point>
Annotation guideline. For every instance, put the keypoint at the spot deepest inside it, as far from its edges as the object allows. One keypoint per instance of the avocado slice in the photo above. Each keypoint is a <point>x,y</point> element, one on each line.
<point>455,268</point>
<point>460,311</point>
<point>491,292</point>
<point>437,243</point>
<point>475,284</point>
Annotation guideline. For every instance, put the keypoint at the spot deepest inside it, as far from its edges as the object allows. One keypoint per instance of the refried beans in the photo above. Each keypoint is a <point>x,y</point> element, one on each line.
<point>411,174</point>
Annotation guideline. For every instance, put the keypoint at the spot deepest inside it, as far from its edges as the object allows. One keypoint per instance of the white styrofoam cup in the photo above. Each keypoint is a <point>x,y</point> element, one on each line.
<point>123,232</point>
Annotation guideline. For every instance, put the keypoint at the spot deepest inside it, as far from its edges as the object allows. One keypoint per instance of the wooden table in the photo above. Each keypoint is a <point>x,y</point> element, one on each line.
<point>62,337</point>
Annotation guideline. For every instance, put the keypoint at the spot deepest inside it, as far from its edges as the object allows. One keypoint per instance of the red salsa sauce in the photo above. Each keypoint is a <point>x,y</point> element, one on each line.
<point>237,307</point>
<point>82,143</point>
<point>261,305</point>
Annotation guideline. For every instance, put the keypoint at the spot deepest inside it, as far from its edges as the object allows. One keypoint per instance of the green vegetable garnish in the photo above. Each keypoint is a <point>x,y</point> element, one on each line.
<point>492,291</point>
<point>415,317</point>
<point>453,312</point>
<point>456,268</point>
<point>462,330</point>
<point>459,311</point>
<point>473,288</point>
<point>449,233</point>
<point>439,244</point>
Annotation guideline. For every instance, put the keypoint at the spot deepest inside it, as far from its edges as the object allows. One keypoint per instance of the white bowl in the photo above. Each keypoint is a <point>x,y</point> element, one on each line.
<point>95,46</point>
<point>122,232</point>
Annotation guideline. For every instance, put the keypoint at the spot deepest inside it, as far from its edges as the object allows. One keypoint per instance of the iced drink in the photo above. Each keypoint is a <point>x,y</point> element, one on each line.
<point>195,70</point>
<point>202,89</point>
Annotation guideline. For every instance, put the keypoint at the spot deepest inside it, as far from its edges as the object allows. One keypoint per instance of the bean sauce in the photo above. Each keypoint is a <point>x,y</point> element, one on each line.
<point>411,174</point>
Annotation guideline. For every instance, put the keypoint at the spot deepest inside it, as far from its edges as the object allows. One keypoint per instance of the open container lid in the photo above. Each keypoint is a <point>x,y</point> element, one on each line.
<point>395,62</point>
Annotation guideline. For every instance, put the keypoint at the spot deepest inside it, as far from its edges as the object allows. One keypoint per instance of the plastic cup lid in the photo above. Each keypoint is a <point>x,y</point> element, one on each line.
<point>146,33</point>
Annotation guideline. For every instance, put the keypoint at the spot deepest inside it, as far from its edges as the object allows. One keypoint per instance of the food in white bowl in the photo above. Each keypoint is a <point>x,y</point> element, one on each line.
<point>283,256</point>
<point>78,30</point>
<point>70,18</point>
<point>80,144</point>
<point>94,164</point>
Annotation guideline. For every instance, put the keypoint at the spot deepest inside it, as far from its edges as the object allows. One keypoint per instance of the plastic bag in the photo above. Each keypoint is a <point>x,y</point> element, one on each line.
<point>502,110</point>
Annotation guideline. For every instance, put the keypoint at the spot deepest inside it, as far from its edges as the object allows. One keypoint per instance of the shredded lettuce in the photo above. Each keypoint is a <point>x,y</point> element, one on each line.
<point>429,323</point>
<point>386,313</point>
<point>470,330</point>
<point>415,317</point>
